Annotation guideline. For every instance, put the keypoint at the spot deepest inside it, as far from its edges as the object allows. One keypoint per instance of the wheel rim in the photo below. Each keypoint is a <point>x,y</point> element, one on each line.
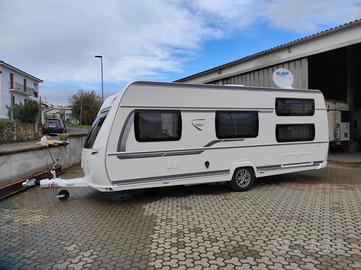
<point>243,178</point>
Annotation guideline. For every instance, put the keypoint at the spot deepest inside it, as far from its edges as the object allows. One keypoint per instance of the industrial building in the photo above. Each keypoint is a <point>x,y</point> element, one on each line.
<point>329,61</point>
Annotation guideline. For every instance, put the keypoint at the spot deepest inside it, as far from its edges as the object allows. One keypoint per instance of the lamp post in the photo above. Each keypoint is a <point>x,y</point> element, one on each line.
<point>101,71</point>
<point>81,108</point>
<point>12,107</point>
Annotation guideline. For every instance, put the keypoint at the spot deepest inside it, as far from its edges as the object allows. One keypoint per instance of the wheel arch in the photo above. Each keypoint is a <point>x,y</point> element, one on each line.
<point>242,164</point>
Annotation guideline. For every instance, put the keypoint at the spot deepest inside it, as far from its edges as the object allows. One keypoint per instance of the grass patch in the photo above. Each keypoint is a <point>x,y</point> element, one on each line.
<point>5,120</point>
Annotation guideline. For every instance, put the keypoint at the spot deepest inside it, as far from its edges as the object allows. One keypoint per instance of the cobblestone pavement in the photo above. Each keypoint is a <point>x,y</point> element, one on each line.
<point>309,220</point>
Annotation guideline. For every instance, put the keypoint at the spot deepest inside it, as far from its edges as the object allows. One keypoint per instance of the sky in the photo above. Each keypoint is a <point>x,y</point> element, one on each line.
<point>158,40</point>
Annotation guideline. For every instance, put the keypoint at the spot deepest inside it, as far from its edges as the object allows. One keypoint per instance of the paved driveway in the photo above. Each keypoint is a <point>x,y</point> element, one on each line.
<point>308,220</point>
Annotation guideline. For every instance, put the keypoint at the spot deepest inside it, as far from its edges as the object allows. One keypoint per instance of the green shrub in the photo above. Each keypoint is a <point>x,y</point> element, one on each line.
<point>27,112</point>
<point>85,106</point>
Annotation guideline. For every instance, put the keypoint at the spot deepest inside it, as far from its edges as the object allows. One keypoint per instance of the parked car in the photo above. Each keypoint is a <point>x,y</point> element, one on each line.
<point>54,125</point>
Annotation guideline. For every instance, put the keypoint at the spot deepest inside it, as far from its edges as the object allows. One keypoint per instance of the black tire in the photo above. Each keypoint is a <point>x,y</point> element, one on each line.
<point>64,195</point>
<point>243,179</point>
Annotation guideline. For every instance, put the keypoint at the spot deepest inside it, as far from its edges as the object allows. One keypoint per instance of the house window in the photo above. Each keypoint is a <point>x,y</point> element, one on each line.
<point>295,132</point>
<point>151,125</point>
<point>236,124</point>
<point>12,100</point>
<point>11,81</point>
<point>24,85</point>
<point>295,107</point>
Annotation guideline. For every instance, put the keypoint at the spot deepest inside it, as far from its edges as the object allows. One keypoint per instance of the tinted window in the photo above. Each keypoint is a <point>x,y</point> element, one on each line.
<point>295,107</point>
<point>94,130</point>
<point>157,125</point>
<point>236,124</point>
<point>295,132</point>
<point>54,122</point>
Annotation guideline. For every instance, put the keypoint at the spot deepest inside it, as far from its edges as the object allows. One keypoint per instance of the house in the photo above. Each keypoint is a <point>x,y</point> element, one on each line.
<point>329,61</point>
<point>49,110</point>
<point>16,86</point>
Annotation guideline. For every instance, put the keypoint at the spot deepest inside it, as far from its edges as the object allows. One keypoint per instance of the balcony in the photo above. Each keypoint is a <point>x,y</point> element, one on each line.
<point>19,88</point>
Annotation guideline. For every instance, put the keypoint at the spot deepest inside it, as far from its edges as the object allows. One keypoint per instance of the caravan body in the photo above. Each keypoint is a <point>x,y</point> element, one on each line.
<point>162,134</point>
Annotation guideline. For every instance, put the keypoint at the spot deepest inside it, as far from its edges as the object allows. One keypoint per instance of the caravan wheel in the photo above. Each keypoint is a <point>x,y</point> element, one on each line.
<point>63,195</point>
<point>243,179</point>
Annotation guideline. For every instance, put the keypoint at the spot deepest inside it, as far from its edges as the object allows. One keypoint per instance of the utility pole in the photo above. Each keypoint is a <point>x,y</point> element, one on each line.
<point>40,112</point>
<point>101,73</point>
<point>11,107</point>
<point>81,107</point>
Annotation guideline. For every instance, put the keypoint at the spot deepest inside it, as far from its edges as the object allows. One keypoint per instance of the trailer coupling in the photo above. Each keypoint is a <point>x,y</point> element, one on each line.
<point>55,183</point>
<point>63,183</point>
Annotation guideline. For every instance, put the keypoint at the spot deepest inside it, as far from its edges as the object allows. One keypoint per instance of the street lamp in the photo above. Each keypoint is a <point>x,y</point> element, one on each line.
<point>81,108</point>
<point>101,71</point>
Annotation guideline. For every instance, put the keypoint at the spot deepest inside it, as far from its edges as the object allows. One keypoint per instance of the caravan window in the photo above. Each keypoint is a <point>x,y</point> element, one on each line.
<point>295,107</point>
<point>236,124</point>
<point>151,125</point>
<point>295,132</point>
<point>94,130</point>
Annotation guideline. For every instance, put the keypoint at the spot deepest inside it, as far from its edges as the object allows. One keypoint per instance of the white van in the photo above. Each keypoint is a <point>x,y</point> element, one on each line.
<point>164,134</point>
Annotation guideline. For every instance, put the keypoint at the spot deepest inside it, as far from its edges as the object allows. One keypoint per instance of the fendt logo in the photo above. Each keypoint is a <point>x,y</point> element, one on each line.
<point>198,124</point>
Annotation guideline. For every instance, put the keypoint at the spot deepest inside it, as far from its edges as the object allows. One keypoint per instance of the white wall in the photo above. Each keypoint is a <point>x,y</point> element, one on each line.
<point>5,99</point>
<point>25,163</point>
<point>263,77</point>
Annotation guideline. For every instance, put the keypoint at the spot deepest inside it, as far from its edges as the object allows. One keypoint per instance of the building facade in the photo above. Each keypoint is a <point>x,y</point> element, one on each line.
<point>16,86</point>
<point>329,61</point>
<point>49,110</point>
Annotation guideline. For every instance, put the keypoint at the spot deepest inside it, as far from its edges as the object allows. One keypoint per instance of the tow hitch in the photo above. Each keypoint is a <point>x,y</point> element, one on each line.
<point>56,183</point>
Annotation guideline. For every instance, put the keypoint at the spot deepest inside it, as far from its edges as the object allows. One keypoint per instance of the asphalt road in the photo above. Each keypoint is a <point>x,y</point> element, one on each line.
<point>77,130</point>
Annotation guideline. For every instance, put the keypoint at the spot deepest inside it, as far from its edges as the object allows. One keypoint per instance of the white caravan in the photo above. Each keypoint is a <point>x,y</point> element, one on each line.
<point>164,134</point>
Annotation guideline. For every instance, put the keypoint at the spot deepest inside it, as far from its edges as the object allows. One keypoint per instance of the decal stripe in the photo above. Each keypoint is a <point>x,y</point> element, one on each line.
<point>279,166</point>
<point>195,151</point>
<point>175,177</point>
<point>170,177</point>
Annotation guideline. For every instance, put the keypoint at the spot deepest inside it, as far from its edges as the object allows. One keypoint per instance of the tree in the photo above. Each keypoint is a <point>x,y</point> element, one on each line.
<point>85,105</point>
<point>26,112</point>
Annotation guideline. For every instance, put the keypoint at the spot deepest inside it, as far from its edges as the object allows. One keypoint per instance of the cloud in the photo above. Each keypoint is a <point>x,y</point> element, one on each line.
<point>57,40</point>
<point>308,15</point>
<point>228,15</point>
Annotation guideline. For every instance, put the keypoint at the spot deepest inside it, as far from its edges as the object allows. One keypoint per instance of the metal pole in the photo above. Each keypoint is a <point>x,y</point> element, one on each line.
<point>81,107</point>
<point>40,112</point>
<point>101,63</point>
<point>101,73</point>
<point>11,107</point>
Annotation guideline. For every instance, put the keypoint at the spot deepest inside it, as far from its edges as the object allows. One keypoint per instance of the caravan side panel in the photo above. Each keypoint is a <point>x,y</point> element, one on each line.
<point>199,156</point>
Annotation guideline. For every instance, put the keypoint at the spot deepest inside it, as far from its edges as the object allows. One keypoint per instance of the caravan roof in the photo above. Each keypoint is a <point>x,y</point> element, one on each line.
<point>206,96</point>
